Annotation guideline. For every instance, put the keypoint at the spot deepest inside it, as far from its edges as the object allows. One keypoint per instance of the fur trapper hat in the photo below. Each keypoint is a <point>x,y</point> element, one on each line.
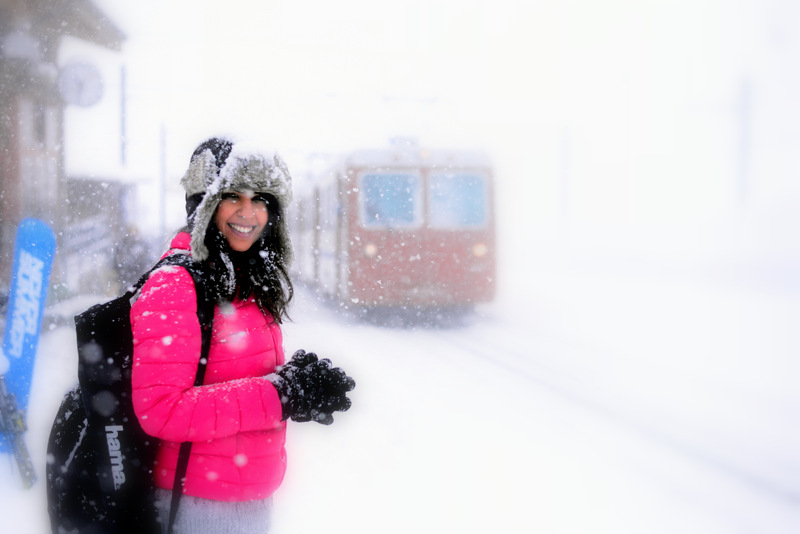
<point>242,170</point>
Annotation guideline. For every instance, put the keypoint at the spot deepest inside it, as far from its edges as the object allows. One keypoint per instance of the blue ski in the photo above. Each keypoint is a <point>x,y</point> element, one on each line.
<point>30,279</point>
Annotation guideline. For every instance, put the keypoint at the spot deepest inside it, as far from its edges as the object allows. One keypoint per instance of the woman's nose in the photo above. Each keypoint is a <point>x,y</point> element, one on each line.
<point>247,207</point>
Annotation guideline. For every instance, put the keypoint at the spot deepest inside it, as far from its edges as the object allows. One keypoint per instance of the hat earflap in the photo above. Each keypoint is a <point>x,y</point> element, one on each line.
<point>202,218</point>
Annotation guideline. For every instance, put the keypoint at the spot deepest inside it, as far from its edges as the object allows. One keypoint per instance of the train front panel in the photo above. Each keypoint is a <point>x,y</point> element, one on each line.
<point>421,237</point>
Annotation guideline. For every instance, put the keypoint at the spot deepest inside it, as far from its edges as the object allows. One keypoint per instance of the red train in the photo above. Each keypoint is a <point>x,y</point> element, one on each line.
<point>400,229</point>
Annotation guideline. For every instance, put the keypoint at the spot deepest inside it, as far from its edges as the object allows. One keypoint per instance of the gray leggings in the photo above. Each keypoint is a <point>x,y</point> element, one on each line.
<point>204,516</point>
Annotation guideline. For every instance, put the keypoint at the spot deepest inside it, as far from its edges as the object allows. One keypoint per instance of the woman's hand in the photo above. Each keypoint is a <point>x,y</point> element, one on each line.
<point>311,389</point>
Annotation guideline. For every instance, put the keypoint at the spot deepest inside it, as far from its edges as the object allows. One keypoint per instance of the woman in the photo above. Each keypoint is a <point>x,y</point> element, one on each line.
<point>235,202</point>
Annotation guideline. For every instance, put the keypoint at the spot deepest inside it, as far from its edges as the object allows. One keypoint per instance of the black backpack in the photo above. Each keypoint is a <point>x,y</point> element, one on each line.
<point>99,460</point>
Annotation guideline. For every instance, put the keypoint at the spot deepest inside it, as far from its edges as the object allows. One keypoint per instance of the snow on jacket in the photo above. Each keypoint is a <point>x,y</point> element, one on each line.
<point>233,419</point>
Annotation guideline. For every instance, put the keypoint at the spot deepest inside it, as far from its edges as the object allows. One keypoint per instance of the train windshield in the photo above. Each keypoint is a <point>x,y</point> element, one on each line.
<point>457,200</point>
<point>390,200</point>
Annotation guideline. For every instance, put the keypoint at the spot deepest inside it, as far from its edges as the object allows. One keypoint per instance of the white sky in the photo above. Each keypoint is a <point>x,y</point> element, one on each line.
<point>622,123</point>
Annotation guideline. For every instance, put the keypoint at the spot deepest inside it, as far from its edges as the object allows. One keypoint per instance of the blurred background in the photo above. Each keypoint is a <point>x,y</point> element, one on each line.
<point>662,130</point>
<point>645,205</point>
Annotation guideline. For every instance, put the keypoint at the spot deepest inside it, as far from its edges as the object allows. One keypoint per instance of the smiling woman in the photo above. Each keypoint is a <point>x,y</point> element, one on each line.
<point>235,416</point>
<point>241,217</point>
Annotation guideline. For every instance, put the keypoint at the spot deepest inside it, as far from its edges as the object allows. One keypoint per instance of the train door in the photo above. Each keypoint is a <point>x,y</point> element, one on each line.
<point>343,190</point>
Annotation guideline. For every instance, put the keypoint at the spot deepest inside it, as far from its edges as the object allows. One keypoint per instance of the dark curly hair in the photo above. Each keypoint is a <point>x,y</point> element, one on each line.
<point>259,271</point>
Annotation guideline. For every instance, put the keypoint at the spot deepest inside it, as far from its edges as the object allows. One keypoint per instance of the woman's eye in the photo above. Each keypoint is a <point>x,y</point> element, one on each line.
<point>261,199</point>
<point>233,197</point>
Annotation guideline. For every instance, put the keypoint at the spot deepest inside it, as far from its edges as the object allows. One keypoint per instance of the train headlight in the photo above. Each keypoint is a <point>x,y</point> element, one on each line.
<point>370,250</point>
<point>479,250</point>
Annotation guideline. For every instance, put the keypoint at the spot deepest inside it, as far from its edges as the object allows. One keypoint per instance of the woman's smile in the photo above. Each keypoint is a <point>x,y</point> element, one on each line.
<point>244,230</point>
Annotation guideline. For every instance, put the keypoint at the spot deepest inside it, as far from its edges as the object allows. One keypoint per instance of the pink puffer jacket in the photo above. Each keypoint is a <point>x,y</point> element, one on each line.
<point>234,418</point>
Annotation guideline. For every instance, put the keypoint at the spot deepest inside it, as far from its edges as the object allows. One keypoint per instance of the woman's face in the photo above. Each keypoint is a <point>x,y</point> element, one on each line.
<point>241,217</point>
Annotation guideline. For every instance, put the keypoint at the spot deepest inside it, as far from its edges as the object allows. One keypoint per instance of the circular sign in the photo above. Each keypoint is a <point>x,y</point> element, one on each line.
<point>80,84</point>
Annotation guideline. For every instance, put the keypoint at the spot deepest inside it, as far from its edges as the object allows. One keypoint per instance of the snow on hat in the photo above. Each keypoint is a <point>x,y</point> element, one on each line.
<point>244,169</point>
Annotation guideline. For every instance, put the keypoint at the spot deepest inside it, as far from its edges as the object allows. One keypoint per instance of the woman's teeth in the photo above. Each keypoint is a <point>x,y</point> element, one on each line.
<point>242,229</point>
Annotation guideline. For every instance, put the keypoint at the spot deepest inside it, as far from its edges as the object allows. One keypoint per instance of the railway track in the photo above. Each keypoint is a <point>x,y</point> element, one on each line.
<point>532,357</point>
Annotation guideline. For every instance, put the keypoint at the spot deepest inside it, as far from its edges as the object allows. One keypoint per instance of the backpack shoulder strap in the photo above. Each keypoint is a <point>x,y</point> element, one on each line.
<point>205,315</point>
<point>205,301</point>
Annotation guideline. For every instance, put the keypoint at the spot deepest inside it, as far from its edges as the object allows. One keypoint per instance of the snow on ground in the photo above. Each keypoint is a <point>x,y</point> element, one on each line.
<point>587,400</point>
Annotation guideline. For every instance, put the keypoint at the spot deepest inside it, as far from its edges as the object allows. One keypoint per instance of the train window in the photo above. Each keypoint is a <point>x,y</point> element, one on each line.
<point>457,200</point>
<point>390,200</point>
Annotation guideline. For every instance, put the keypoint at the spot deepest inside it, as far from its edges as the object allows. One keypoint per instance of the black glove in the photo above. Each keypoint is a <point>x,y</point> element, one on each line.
<point>311,389</point>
